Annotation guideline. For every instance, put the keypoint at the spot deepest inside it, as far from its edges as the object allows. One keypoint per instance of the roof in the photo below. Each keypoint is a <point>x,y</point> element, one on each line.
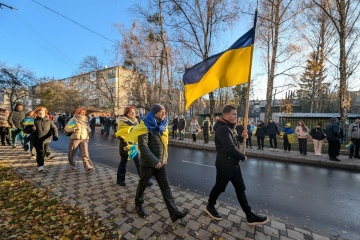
<point>314,115</point>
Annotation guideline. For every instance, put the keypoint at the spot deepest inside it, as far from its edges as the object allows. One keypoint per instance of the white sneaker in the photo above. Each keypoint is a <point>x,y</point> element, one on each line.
<point>276,150</point>
<point>41,169</point>
<point>271,149</point>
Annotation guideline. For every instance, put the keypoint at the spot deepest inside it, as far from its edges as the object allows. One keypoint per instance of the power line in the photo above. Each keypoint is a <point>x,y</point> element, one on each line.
<point>12,8</point>
<point>74,22</point>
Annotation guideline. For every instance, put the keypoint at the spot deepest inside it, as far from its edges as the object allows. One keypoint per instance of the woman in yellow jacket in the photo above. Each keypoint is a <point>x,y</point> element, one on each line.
<point>79,128</point>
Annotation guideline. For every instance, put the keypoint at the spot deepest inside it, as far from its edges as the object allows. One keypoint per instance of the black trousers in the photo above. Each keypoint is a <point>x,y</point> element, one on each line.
<point>206,137</point>
<point>174,133</point>
<point>260,142</point>
<point>224,175</point>
<point>122,167</point>
<point>334,148</point>
<point>248,141</point>
<point>273,138</point>
<point>356,142</point>
<point>5,135</point>
<point>302,145</point>
<point>40,152</point>
<point>287,145</point>
<point>161,177</point>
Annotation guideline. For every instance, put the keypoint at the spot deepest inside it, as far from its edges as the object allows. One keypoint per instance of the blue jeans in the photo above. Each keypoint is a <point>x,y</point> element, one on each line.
<point>122,167</point>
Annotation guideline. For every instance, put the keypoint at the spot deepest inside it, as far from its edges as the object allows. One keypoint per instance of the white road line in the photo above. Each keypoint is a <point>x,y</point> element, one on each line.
<point>198,164</point>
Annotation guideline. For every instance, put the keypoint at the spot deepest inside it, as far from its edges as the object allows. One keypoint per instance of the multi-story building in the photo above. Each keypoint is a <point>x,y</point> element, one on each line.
<point>109,89</point>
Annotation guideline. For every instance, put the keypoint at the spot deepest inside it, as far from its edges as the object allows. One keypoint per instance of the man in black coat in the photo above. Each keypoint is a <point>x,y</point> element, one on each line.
<point>228,169</point>
<point>333,137</point>
<point>175,123</point>
<point>272,131</point>
<point>15,121</point>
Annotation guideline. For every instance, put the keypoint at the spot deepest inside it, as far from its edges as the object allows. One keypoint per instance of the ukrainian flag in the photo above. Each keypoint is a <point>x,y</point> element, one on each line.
<point>71,124</point>
<point>226,69</point>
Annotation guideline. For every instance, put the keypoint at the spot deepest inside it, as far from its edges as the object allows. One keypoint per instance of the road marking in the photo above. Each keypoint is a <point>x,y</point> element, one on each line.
<point>198,164</point>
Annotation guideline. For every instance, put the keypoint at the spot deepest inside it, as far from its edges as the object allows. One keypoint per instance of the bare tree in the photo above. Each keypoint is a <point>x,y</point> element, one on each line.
<point>197,22</point>
<point>275,28</point>
<point>89,64</point>
<point>344,15</point>
<point>15,83</point>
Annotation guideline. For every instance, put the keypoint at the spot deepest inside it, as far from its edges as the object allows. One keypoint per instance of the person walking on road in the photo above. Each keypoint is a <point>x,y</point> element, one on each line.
<point>272,131</point>
<point>125,124</point>
<point>182,126</point>
<point>152,136</point>
<point>42,131</point>
<point>79,128</point>
<point>318,136</point>
<point>354,135</point>
<point>302,132</point>
<point>15,119</point>
<point>333,137</point>
<point>228,169</point>
<point>92,123</point>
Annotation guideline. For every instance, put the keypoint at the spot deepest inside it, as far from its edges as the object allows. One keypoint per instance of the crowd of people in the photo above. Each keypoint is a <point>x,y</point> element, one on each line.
<point>333,133</point>
<point>145,141</point>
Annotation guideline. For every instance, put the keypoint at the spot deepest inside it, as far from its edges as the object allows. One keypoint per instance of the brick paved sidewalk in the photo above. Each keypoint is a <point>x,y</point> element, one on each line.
<point>293,156</point>
<point>98,193</point>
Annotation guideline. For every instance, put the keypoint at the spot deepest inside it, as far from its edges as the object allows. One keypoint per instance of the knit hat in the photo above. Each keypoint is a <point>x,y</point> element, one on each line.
<point>288,125</point>
<point>334,120</point>
<point>319,124</point>
<point>157,108</point>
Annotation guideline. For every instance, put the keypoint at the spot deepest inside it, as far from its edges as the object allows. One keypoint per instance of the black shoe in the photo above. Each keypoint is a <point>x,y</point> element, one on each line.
<point>356,157</point>
<point>213,213</point>
<point>350,156</point>
<point>3,144</point>
<point>259,148</point>
<point>335,159</point>
<point>121,184</point>
<point>178,215</point>
<point>140,211</point>
<point>150,184</point>
<point>253,219</point>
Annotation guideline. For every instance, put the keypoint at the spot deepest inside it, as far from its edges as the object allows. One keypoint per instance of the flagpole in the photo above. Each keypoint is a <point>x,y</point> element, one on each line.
<point>246,116</point>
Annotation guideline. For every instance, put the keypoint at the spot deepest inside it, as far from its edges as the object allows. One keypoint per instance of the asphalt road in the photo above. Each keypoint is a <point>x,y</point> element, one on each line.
<point>321,199</point>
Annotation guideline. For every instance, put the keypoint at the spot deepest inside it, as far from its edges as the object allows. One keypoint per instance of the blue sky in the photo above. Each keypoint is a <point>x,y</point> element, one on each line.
<point>52,46</point>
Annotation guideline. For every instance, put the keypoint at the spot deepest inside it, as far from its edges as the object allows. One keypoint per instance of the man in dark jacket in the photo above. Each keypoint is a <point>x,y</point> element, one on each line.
<point>354,135</point>
<point>333,137</point>
<point>227,167</point>
<point>181,127</point>
<point>15,121</point>
<point>175,123</point>
<point>272,131</point>
<point>152,139</point>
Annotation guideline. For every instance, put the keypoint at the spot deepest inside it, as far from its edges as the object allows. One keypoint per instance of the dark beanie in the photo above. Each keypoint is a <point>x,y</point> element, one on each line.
<point>319,124</point>
<point>334,120</point>
<point>357,117</point>
<point>157,108</point>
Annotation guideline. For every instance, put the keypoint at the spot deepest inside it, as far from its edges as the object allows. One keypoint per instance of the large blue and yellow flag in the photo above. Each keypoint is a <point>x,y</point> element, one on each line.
<point>225,69</point>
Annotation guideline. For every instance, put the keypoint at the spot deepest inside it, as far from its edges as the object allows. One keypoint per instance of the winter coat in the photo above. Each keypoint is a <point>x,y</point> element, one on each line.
<point>125,124</point>
<point>301,133</point>
<point>108,122</point>
<point>250,129</point>
<point>239,130</point>
<point>182,124</point>
<point>227,151</point>
<point>332,131</point>
<point>318,133</point>
<point>272,129</point>
<point>194,126</point>
<point>83,133</point>
<point>288,133</point>
<point>16,118</point>
<point>152,149</point>
<point>4,120</point>
<point>207,128</point>
<point>261,130</point>
<point>354,130</point>
<point>45,130</point>
<point>175,123</point>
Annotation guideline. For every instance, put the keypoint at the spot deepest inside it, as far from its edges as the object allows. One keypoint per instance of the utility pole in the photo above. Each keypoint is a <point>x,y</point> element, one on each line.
<point>1,5</point>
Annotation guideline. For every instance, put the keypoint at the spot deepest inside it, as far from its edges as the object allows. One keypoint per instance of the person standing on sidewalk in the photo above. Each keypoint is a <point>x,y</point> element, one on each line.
<point>250,129</point>
<point>260,134</point>
<point>152,136</point>
<point>175,123</point>
<point>354,135</point>
<point>79,128</point>
<point>194,128</point>
<point>182,126</point>
<point>42,131</point>
<point>4,126</point>
<point>333,137</point>
<point>228,169</point>
<point>207,129</point>
<point>15,119</point>
<point>302,132</point>
<point>288,136</point>
<point>318,136</point>
<point>272,131</point>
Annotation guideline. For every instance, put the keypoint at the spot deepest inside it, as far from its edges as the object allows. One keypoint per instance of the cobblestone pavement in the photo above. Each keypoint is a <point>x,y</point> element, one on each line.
<point>98,193</point>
